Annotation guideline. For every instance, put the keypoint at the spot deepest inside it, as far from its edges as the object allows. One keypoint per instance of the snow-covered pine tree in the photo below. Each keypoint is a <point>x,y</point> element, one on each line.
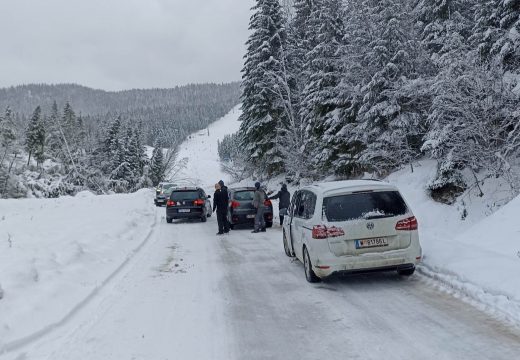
<point>506,47</point>
<point>292,81</point>
<point>389,129</point>
<point>35,134</point>
<point>157,165</point>
<point>342,146</point>
<point>54,141</point>
<point>7,134</point>
<point>109,154</point>
<point>324,66</point>
<point>263,75</point>
<point>445,32</point>
<point>123,176</point>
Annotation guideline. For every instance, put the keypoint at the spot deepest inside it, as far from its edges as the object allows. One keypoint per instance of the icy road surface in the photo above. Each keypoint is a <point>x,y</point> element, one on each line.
<point>188,294</point>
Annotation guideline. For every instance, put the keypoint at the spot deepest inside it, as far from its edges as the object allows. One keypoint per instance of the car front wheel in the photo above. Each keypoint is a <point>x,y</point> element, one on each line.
<point>309,273</point>
<point>169,220</point>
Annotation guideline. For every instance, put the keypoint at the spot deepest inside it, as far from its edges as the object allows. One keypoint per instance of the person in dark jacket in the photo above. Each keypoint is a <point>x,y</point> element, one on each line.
<point>220,205</point>
<point>225,194</point>
<point>284,197</point>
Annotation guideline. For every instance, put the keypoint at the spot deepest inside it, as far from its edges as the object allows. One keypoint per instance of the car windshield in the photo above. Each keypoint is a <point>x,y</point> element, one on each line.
<point>244,195</point>
<point>166,189</point>
<point>367,205</point>
<point>184,195</point>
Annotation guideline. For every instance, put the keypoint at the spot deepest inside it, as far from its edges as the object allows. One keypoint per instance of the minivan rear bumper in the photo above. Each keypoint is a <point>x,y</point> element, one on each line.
<point>384,261</point>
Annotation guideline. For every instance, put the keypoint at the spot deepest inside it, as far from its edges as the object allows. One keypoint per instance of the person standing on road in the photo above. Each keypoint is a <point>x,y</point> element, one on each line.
<point>220,205</point>
<point>225,193</point>
<point>258,203</point>
<point>284,197</point>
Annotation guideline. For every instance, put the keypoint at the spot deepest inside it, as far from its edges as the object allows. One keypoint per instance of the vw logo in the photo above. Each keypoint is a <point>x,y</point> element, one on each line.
<point>370,226</point>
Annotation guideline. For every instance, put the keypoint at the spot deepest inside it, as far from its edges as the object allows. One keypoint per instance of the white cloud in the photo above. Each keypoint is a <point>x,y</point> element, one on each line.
<point>121,44</point>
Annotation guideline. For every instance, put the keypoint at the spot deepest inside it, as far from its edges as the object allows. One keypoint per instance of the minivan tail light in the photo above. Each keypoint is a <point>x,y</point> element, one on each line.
<point>268,203</point>
<point>198,202</point>
<point>407,224</point>
<point>170,203</point>
<point>235,204</point>
<point>323,232</point>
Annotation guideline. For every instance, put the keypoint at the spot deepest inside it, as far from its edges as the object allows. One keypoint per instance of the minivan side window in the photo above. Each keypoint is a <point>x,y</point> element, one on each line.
<point>294,203</point>
<point>310,204</point>
<point>306,205</point>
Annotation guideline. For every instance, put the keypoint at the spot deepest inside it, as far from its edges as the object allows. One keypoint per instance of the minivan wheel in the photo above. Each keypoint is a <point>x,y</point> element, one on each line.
<point>268,224</point>
<point>204,218</point>
<point>286,246</point>
<point>309,273</point>
<point>169,220</point>
<point>406,272</point>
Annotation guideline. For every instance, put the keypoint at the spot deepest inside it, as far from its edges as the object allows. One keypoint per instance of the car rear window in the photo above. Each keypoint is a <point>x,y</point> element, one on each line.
<point>168,188</point>
<point>244,195</point>
<point>367,205</point>
<point>184,195</point>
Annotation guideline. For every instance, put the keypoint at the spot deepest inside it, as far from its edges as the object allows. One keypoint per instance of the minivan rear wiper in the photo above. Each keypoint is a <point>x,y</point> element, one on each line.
<point>378,216</point>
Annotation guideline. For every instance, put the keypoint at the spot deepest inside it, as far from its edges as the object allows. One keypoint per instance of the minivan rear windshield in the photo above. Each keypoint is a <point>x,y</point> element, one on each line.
<point>244,195</point>
<point>369,205</point>
<point>184,195</point>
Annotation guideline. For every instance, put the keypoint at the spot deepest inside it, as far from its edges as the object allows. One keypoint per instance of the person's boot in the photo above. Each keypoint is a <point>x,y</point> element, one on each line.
<point>255,231</point>
<point>263,230</point>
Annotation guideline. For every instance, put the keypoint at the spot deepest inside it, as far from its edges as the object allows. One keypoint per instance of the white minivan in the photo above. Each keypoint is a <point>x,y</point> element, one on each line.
<point>351,226</point>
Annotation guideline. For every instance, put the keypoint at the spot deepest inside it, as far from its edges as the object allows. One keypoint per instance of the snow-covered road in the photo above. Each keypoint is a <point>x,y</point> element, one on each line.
<point>191,295</point>
<point>187,294</point>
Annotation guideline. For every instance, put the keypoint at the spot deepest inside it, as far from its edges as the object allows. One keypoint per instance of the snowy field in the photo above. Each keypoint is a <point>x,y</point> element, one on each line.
<point>107,278</point>
<point>57,253</point>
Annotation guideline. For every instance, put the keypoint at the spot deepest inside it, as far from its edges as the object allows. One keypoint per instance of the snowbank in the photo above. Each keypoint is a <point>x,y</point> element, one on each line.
<point>54,253</point>
<point>471,251</point>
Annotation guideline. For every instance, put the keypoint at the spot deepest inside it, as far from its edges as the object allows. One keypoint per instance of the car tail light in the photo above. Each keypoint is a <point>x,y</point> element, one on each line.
<point>198,202</point>
<point>235,204</point>
<point>323,232</point>
<point>170,203</point>
<point>407,224</point>
<point>269,217</point>
<point>268,203</point>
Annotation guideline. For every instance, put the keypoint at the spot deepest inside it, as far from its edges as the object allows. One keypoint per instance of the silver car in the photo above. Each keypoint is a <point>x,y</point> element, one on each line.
<point>351,227</point>
<point>162,193</point>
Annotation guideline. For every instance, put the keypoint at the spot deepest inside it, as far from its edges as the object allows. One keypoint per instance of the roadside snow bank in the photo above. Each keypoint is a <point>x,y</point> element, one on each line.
<point>54,253</point>
<point>478,257</point>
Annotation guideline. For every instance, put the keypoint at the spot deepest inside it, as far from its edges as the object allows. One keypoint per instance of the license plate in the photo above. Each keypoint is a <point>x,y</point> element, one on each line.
<point>250,216</point>
<point>370,243</point>
<point>184,210</point>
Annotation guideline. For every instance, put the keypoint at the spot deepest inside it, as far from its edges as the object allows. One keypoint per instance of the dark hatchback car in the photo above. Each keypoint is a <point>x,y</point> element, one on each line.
<point>188,203</point>
<point>241,209</point>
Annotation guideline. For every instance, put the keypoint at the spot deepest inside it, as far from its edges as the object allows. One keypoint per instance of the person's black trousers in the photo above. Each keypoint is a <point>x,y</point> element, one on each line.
<point>222,222</point>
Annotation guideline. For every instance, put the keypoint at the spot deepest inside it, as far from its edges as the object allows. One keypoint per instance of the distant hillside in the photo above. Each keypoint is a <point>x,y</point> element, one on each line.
<point>60,139</point>
<point>162,113</point>
<point>24,99</point>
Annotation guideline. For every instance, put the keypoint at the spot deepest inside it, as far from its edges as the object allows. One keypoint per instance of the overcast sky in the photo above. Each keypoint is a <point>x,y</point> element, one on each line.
<point>122,44</point>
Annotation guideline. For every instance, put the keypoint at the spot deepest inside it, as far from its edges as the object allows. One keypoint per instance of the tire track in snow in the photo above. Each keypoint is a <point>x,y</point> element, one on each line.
<point>25,341</point>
